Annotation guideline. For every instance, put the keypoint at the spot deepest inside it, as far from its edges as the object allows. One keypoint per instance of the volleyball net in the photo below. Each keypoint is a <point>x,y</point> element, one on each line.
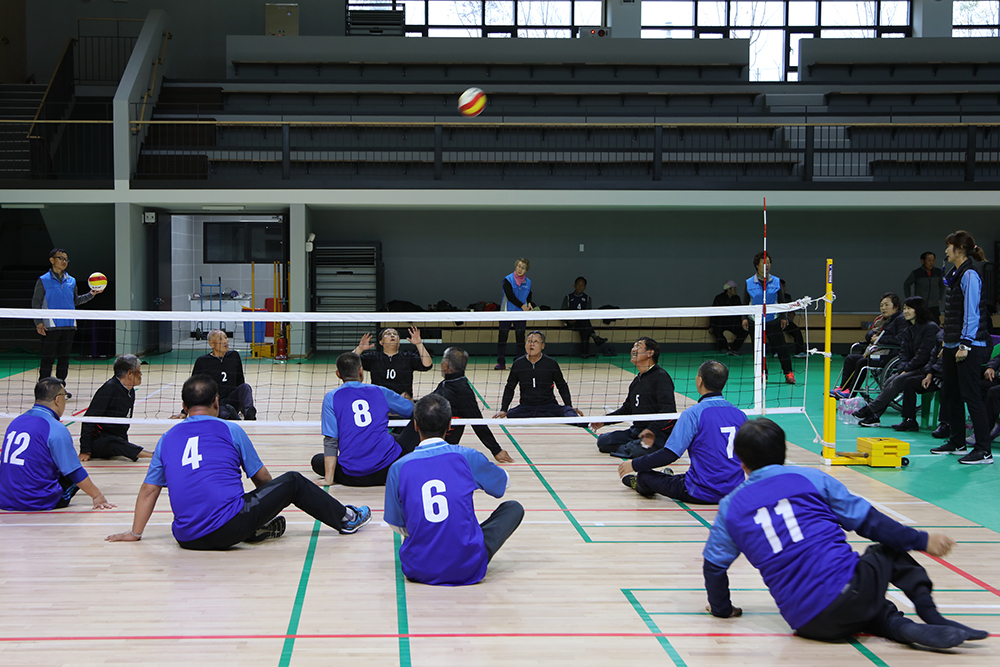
<point>592,349</point>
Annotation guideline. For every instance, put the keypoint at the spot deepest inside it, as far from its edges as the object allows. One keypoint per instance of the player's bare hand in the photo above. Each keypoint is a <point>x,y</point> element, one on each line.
<point>647,437</point>
<point>926,382</point>
<point>101,503</point>
<point>939,544</point>
<point>414,336</point>
<point>784,323</point>
<point>625,468</point>
<point>735,613</point>
<point>95,292</point>
<point>746,324</point>
<point>366,342</point>
<point>127,536</point>
<point>500,415</point>
<point>503,457</point>
<point>961,355</point>
<point>579,413</point>
<point>84,456</point>
<point>989,374</point>
<point>596,426</point>
<point>526,307</point>
<point>40,328</point>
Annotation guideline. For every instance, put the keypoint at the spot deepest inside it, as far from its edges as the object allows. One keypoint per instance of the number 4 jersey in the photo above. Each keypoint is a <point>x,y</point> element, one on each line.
<point>429,492</point>
<point>790,522</point>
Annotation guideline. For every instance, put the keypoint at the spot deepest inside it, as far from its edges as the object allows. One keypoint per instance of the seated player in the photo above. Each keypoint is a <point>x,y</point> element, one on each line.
<point>790,522</point>
<point>536,373</point>
<point>579,300</point>
<point>115,398</point>
<point>718,325</point>
<point>200,462</point>
<point>391,368</point>
<point>226,367</point>
<point>651,392</point>
<point>39,469</point>
<point>357,446</point>
<point>464,405</point>
<point>705,431</point>
<point>429,501</point>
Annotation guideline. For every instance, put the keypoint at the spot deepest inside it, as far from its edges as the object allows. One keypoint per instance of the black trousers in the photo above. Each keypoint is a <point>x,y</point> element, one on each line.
<point>110,446</point>
<point>855,368</point>
<point>238,400</point>
<point>408,441</point>
<point>960,389</point>
<point>57,344</point>
<point>500,525</point>
<point>795,333</point>
<point>776,344</point>
<point>739,335</point>
<point>912,386</point>
<point>893,388</point>
<point>69,489</point>
<point>671,486</point>
<point>502,339</point>
<point>586,331</point>
<point>610,442</point>
<point>266,502</point>
<point>862,607</point>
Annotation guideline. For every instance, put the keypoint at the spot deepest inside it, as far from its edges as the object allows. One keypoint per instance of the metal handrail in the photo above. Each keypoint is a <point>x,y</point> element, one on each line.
<point>152,82</point>
<point>41,105</point>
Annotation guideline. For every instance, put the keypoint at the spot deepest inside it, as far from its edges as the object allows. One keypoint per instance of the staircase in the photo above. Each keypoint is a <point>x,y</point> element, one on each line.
<point>17,102</point>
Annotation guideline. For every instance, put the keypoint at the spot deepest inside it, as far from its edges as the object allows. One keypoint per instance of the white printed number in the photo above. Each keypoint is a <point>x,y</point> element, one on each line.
<point>730,433</point>
<point>362,413</point>
<point>785,511</point>
<point>224,376</point>
<point>14,438</point>
<point>191,456</point>
<point>435,506</point>
<point>637,400</point>
<point>390,374</point>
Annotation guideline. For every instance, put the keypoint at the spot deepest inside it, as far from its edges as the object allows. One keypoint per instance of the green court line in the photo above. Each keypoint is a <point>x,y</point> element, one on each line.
<point>538,474</point>
<point>300,596</point>
<point>865,651</point>
<point>651,625</point>
<point>694,514</point>
<point>403,625</point>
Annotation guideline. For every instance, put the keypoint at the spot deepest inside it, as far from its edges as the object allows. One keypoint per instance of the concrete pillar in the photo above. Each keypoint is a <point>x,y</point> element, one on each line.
<point>131,272</point>
<point>625,18</point>
<point>299,228</point>
<point>932,18</point>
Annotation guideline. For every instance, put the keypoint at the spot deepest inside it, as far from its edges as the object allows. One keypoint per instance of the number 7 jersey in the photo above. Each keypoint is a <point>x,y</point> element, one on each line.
<point>790,522</point>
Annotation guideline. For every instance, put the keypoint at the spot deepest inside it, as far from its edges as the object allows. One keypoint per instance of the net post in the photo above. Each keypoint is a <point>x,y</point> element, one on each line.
<point>829,402</point>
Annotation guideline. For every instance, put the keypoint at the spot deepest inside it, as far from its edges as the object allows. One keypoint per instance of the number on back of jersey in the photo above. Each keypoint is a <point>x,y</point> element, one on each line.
<point>191,457</point>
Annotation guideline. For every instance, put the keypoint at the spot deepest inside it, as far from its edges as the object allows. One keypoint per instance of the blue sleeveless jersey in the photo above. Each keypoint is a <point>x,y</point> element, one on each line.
<point>429,491</point>
<point>37,450</point>
<point>756,292</point>
<point>790,522</point>
<point>706,431</point>
<point>357,414</point>
<point>521,292</point>
<point>200,462</point>
<point>60,295</point>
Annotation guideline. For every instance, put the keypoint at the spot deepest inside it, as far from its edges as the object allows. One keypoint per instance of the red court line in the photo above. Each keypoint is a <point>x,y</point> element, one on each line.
<point>958,570</point>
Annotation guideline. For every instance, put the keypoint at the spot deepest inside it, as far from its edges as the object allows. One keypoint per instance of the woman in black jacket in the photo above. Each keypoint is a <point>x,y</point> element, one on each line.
<point>876,350</point>
<point>917,341</point>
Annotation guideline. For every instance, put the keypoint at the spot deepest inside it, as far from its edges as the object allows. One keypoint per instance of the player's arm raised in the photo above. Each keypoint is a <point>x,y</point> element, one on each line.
<point>425,356</point>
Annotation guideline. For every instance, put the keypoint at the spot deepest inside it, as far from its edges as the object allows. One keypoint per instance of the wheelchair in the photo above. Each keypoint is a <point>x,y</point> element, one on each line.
<point>869,384</point>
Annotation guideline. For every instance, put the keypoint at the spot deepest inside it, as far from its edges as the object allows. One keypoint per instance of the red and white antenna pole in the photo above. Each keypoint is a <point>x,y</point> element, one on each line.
<point>763,335</point>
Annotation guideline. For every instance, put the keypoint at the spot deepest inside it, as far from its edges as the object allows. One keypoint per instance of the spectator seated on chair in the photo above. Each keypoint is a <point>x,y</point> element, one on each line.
<point>877,348</point>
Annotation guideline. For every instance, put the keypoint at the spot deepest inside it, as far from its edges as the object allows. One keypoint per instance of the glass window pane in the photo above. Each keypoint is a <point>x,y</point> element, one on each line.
<point>498,34</point>
<point>767,53</point>
<point>711,13</point>
<point>454,32</point>
<point>794,39</point>
<point>975,32</point>
<point>414,12</point>
<point>542,32</point>
<point>895,12</point>
<point>847,13</point>
<point>757,13</point>
<point>977,12</point>
<point>802,13</point>
<point>544,12</point>
<point>449,12</point>
<point>500,12</point>
<point>655,34</point>
<point>856,33</point>
<point>588,13</point>
<point>667,13</point>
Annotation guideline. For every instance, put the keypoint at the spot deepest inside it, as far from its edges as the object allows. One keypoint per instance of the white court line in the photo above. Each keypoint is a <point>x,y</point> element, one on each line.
<point>887,510</point>
<point>907,502</point>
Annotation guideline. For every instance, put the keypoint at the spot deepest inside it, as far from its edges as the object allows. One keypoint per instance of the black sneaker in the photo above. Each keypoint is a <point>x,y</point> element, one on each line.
<point>942,431</point>
<point>599,341</point>
<point>362,515</point>
<point>907,425</point>
<point>632,482</point>
<point>250,414</point>
<point>977,457</point>
<point>873,420</point>
<point>500,367</point>
<point>948,448</point>
<point>272,529</point>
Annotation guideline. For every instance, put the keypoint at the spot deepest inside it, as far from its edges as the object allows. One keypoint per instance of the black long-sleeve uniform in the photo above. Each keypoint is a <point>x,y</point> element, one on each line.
<point>536,381</point>
<point>395,372</point>
<point>227,371</point>
<point>112,399</point>
<point>650,392</point>
<point>464,405</point>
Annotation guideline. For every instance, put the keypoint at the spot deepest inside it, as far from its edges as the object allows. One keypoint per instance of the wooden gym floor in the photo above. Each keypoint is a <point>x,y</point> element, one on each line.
<point>596,575</point>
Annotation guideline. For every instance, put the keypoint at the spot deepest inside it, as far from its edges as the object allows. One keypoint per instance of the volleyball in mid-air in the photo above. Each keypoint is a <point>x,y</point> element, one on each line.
<point>97,281</point>
<point>472,102</point>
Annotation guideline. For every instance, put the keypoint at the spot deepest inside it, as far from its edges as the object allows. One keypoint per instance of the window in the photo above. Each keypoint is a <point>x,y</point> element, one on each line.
<point>976,18</point>
<point>243,242</point>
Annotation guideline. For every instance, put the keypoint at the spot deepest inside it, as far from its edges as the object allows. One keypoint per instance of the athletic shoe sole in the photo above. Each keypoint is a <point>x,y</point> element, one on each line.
<point>961,450</point>
<point>362,515</point>
<point>986,460</point>
<point>273,529</point>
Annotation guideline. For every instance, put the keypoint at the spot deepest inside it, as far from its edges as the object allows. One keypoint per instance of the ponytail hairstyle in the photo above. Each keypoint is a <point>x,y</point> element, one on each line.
<point>963,239</point>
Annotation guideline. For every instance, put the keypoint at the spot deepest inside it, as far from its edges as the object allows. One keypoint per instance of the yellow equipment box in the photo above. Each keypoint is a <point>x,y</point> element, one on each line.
<point>262,350</point>
<point>874,452</point>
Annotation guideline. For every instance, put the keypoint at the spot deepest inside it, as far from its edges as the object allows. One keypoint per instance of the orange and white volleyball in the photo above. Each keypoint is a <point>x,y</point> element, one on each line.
<point>97,281</point>
<point>472,102</point>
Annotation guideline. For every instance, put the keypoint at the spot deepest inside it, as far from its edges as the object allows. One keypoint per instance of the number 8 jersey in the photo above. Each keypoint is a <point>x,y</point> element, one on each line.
<point>790,522</point>
<point>429,492</point>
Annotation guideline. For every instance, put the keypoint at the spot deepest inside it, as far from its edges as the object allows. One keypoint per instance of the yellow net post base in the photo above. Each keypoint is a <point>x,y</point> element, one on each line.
<point>872,452</point>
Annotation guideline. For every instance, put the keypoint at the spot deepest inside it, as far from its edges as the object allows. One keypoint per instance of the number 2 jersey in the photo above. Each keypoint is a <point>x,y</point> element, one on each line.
<point>790,522</point>
<point>429,492</point>
<point>37,451</point>
<point>357,414</point>
<point>200,462</point>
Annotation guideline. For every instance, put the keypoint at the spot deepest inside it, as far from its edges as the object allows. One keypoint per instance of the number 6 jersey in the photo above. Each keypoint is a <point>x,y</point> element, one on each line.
<point>429,492</point>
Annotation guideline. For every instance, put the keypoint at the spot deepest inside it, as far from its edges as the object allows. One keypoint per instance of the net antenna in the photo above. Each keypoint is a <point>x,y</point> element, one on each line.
<point>760,331</point>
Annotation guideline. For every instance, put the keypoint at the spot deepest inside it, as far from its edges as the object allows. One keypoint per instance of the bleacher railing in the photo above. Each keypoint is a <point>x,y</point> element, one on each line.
<point>103,47</point>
